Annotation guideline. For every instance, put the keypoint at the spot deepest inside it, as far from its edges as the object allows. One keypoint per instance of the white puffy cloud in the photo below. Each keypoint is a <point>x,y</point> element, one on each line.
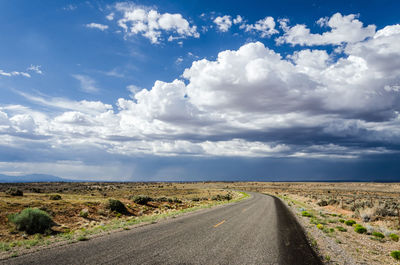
<point>238,20</point>
<point>165,102</point>
<point>223,23</point>
<point>251,79</point>
<point>23,122</point>
<point>343,29</point>
<point>247,102</point>
<point>266,27</point>
<point>151,24</point>
<point>73,117</point>
<point>110,16</point>
<point>381,52</point>
<point>97,26</point>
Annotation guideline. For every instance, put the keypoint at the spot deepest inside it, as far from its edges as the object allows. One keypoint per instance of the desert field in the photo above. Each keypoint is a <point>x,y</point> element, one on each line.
<point>79,210</point>
<point>346,223</point>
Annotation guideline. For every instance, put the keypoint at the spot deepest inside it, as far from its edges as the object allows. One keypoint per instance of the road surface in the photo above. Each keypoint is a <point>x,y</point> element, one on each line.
<point>259,230</point>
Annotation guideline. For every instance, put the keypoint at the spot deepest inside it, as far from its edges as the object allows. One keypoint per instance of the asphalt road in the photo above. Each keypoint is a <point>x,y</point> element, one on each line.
<point>259,230</point>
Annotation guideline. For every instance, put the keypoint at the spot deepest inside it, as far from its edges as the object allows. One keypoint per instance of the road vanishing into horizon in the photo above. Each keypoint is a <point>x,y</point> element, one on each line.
<point>259,230</point>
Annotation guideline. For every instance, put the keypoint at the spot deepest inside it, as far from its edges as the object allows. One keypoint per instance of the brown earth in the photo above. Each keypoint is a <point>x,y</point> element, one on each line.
<point>93,198</point>
<point>373,205</point>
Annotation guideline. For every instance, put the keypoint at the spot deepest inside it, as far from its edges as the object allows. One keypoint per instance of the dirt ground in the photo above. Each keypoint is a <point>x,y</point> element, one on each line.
<point>92,198</point>
<point>372,205</point>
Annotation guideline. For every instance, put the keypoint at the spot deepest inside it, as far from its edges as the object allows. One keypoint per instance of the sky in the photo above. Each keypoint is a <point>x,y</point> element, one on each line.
<point>200,90</point>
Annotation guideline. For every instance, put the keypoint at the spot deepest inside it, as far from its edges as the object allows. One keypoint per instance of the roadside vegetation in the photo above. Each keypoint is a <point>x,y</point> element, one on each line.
<point>32,221</point>
<point>366,227</point>
<point>48,213</point>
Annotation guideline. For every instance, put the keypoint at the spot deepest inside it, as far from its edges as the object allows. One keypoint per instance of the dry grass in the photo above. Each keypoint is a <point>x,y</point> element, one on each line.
<point>374,205</point>
<point>92,198</point>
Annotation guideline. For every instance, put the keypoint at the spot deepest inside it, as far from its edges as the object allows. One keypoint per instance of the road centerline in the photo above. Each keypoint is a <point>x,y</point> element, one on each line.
<point>220,223</point>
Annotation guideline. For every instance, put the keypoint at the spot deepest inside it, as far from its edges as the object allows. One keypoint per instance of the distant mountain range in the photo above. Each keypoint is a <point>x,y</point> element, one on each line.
<point>32,178</point>
<point>51,178</point>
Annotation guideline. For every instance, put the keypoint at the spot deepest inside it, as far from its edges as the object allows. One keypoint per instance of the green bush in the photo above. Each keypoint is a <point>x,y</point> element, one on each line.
<point>395,254</point>
<point>306,214</point>
<point>55,197</point>
<point>350,222</point>
<point>141,199</point>
<point>378,234</point>
<point>14,192</point>
<point>32,221</point>
<point>116,206</point>
<point>394,237</point>
<point>360,229</point>
<point>342,220</point>
<point>320,226</point>
<point>341,229</point>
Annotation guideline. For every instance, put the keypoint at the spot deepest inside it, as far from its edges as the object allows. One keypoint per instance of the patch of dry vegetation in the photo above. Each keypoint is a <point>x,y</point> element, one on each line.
<point>84,207</point>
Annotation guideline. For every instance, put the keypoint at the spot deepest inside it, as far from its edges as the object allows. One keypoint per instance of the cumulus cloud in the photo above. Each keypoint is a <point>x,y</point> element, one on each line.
<point>250,102</point>
<point>266,27</point>
<point>343,29</point>
<point>223,23</point>
<point>73,117</point>
<point>97,26</point>
<point>151,24</point>
<point>238,20</point>
<point>87,83</point>
<point>23,122</point>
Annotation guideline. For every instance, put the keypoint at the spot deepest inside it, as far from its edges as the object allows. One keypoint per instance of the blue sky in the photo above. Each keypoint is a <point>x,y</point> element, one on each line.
<point>200,90</point>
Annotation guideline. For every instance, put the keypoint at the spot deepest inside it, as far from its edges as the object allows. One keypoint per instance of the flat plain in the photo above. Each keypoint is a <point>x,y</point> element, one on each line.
<point>346,223</point>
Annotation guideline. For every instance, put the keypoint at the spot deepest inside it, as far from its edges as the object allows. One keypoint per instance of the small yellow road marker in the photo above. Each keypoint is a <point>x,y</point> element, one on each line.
<point>220,223</point>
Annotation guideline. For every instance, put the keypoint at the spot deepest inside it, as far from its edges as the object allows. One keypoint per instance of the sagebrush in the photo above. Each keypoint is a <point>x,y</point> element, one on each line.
<point>32,221</point>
